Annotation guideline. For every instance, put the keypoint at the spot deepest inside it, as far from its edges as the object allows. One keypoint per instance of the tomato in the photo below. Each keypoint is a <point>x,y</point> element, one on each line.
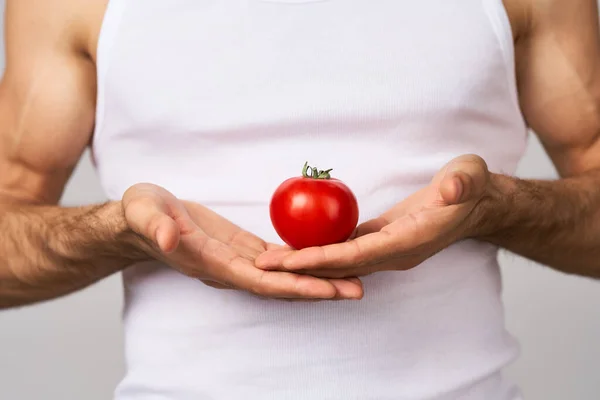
<point>313,209</point>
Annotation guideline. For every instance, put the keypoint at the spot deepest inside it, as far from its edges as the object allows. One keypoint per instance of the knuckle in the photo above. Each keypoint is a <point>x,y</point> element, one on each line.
<point>298,286</point>
<point>143,215</point>
<point>269,288</point>
<point>142,202</point>
<point>479,161</point>
<point>137,210</point>
<point>473,159</point>
<point>470,162</point>
<point>136,190</point>
<point>258,287</point>
<point>356,256</point>
<point>478,167</point>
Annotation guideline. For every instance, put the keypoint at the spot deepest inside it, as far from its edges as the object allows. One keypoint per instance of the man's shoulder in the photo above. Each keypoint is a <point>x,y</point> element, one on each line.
<point>61,25</point>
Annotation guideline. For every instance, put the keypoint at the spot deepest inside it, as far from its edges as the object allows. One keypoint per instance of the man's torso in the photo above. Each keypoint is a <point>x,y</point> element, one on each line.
<point>218,102</point>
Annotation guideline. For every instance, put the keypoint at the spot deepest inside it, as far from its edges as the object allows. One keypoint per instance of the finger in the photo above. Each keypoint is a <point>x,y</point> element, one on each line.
<point>371,226</point>
<point>337,273</point>
<point>355,280</point>
<point>287,285</point>
<point>402,263</point>
<point>167,234</point>
<point>216,285</point>
<point>348,289</point>
<point>224,230</point>
<point>396,240</point>
<point>148,211</point>
<point>274,246</point>
<point>465,179</point>
<point>232,270</point>
<point>245,243</point>
<point>351,288</point>
<point>355,253</point>
<point>273,259</point>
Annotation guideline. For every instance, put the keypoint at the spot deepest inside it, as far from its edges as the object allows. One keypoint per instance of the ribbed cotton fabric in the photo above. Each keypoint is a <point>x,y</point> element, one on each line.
<point>220,101</point>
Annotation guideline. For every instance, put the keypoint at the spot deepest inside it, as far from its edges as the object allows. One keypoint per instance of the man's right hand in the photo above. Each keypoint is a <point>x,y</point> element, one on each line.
<point>203,245</point>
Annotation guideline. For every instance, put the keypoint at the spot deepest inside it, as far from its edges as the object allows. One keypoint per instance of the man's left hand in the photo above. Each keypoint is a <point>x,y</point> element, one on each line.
<point>423,224</point>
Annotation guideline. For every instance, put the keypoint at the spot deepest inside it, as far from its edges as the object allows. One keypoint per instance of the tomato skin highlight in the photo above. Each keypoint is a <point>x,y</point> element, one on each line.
<point>308,212</point>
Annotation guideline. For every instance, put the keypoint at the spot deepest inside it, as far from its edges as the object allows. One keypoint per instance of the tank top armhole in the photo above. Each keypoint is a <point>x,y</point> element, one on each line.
<point>498,16</point>
<point>107,36</point>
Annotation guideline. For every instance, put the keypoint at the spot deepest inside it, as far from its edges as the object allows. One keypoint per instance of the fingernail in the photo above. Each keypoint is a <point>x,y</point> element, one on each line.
<point>353,297</point>
<point>158,241</point>
<point>459,189</point>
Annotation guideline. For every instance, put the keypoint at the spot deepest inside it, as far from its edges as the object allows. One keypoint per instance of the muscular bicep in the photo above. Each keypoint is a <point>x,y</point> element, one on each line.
<point>558,69</point>
<point>47,97</point>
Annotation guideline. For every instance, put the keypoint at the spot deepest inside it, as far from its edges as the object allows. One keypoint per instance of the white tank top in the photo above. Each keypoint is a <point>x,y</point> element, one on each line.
<point>220,101</point>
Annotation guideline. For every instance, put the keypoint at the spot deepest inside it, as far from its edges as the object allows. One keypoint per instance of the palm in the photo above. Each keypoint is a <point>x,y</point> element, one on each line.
<point>201,237</point>
<point>201,244</point>
<point>220,242</point>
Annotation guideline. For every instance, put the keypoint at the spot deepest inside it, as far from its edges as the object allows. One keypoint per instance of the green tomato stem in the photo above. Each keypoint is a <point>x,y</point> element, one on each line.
<point>315,173</point>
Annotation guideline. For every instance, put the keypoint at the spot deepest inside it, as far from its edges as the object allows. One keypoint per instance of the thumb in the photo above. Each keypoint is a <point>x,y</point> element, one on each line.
<point>148,210</point>
<point>464,179</point>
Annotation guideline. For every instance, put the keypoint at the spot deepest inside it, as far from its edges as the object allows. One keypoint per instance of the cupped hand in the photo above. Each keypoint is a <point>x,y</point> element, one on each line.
<point>403,237</point>
<point>203,245</point>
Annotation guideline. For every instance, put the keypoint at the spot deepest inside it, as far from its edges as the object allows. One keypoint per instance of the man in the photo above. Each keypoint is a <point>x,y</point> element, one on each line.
<point>196,111</point>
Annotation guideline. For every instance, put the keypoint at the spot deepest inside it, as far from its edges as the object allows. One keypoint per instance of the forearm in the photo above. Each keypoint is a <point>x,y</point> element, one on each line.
<point>46,252</point>
<point>556,223</point>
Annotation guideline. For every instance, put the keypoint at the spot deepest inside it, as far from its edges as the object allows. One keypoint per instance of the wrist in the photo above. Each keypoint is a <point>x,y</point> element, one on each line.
<point>495,211</point>
<point>128,244</point>
<point>96,234</point>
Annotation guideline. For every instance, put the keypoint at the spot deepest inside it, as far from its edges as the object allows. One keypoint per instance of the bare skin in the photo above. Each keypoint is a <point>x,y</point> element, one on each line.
<point>46,121</point>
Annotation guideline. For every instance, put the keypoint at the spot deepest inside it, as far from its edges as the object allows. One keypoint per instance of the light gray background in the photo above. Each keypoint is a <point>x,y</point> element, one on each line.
<point>71,349</point>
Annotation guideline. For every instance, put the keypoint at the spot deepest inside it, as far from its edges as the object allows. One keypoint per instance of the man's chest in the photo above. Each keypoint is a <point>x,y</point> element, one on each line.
<point>213,65</point>
<point>516,11</point>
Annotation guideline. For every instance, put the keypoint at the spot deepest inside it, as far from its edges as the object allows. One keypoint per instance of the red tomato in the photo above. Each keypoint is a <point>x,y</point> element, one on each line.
<point>313,210</point>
